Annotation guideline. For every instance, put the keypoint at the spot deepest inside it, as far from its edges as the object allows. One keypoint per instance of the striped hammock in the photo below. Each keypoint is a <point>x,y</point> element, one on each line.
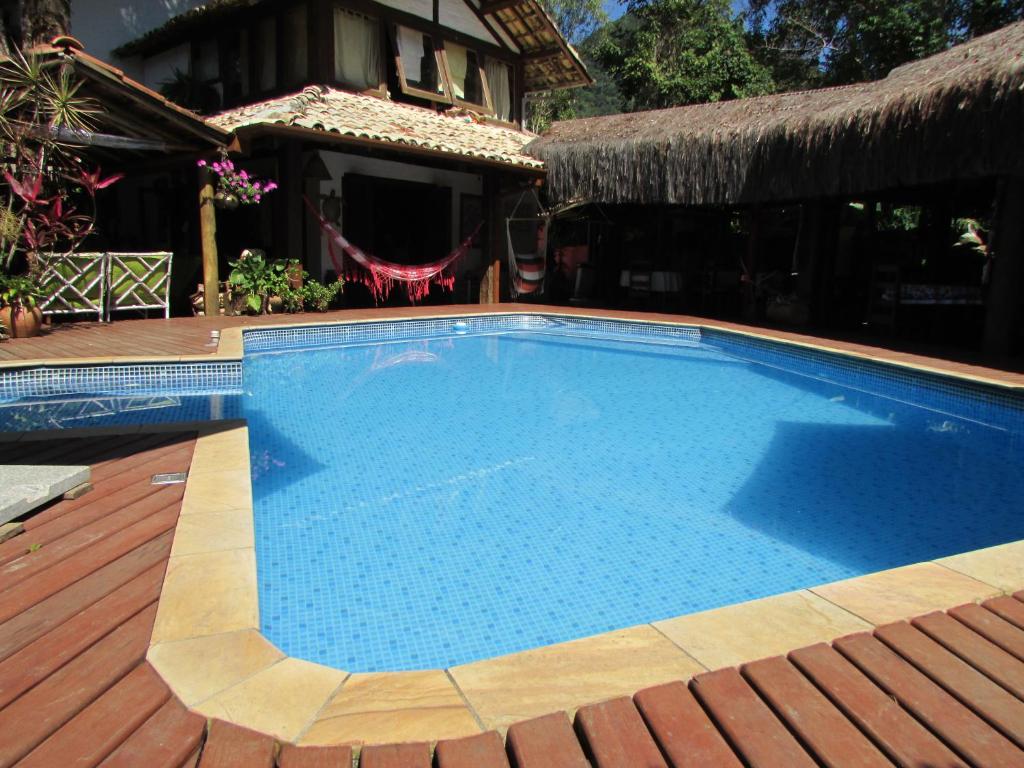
<point>380,275</point>
<point>526,269</point>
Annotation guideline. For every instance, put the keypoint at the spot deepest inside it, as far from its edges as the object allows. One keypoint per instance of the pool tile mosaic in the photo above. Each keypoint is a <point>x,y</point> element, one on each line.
<point>430,502</point>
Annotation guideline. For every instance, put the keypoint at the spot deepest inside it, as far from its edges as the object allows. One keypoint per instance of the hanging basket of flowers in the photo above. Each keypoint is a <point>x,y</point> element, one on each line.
<point>235,187</point>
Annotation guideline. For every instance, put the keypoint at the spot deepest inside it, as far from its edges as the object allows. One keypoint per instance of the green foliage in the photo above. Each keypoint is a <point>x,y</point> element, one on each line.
<point>18,291</point>
<point>673,52</point>
<point>317,297</point>
<point>807,43</point>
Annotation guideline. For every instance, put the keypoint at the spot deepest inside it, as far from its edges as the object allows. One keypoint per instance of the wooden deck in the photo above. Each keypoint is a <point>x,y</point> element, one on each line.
<point>191,336</point>
<point>78,592</point>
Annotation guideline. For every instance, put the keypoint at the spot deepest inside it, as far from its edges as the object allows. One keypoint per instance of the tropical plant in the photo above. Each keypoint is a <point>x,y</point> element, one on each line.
<point>258,279</point>
<point>47,192</point>
<point>230,181</point>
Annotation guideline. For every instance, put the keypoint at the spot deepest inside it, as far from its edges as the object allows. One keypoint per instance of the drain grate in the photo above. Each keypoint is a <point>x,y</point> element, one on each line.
<point>169,478</point>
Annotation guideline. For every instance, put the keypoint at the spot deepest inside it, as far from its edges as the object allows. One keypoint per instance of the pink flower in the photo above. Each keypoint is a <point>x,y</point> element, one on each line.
<point>201,163</point>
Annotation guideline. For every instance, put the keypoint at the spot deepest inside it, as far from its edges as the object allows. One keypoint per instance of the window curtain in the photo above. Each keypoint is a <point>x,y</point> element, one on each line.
<point>458,61</point>
<point>498,80</point>
<point>356,49</point>
<point>410,48</point>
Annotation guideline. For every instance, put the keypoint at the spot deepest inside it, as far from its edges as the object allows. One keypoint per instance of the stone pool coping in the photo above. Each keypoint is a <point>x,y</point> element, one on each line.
<point>207,645</point>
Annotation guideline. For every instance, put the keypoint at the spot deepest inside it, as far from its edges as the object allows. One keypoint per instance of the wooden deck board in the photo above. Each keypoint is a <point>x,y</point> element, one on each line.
<point>833,739</point>
<point>752,728</point>
<point>229,745</point>
<point>104,725</point>
<point>905,740</point>
<point>682,729</point>
<point>44,654</point>
<point>959,727</point>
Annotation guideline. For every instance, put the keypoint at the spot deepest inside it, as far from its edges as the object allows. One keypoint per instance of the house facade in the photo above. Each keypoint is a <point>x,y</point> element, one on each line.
<point>401,119</point>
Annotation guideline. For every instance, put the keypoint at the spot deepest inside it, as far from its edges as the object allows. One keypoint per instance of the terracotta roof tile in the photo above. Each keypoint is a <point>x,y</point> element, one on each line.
<point>350,114</point>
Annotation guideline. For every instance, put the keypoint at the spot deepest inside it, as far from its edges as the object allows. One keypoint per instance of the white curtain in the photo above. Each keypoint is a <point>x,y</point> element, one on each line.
<point>498,80</point>
<point>458,60</point>
<point>410,48</point>
<point>356,49</point>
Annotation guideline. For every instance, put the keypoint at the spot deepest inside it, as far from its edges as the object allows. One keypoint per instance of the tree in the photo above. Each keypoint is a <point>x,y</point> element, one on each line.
<point>666,53</point>
<point>27,23</point>
<point>806,43</point>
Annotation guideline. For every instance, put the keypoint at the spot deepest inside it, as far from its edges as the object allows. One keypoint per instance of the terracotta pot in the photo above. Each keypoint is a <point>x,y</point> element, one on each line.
<point>274,305</point>
<point>225,201</point>
<point>22,323</point>
<point>295,276</point>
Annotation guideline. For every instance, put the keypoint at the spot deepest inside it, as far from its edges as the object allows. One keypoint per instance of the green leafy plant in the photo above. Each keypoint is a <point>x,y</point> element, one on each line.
<point>318,297</point>
<point>18,292</point>
<point>258,279</point>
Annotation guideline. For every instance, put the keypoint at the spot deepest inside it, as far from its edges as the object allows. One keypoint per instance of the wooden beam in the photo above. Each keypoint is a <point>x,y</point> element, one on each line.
<point>493,6</point>
<point>542,55</point>
<point>208,238</point>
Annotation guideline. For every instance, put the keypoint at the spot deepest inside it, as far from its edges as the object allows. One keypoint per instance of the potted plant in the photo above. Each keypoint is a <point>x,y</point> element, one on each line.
<point>258,280</point>
<point>19,312</point>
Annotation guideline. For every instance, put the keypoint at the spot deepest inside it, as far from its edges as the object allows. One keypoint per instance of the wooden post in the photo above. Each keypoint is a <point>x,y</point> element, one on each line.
<point>208,239</point>
<point>1002,315</point>
<point>490,285</point>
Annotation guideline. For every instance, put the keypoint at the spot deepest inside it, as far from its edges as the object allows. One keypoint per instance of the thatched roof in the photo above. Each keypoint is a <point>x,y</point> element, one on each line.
<point>956,115</point>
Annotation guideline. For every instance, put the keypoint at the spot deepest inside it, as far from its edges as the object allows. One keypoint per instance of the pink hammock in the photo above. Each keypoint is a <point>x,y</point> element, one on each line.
<point>380,275</point>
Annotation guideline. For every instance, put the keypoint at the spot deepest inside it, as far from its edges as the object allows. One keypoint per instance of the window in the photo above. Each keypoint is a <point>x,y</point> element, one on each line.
<point>234,66</point>
<point>419,70</point>
<point>467,79</point>
<point>295,51</point>
<point>499,82</point>
<point>356,50</point>
<point>264,51</point>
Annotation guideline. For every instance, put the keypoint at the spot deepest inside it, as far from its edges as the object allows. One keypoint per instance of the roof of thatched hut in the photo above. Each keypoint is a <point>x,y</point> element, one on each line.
<point>956,115</point>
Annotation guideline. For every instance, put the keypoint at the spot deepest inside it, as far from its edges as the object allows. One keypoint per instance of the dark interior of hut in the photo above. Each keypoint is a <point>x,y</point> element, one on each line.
<point>908,267</point>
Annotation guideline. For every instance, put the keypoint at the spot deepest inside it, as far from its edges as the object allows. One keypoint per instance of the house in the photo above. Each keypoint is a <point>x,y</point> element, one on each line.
<point>408,112</point>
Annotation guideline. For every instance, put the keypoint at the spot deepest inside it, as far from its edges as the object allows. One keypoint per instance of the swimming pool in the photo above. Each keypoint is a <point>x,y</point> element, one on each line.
<point>425,502</point>
<point>432,492</point>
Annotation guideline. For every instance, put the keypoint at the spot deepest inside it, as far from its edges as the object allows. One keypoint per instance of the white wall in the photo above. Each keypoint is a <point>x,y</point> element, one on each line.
<point>339,164</point>
<point>459,16</point>
<point>103,25</point>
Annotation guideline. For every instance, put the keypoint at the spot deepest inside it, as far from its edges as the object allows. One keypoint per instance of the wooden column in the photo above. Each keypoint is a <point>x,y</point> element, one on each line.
<point>490,284</point>
<point>1002,314</point>
<point>208,239</point>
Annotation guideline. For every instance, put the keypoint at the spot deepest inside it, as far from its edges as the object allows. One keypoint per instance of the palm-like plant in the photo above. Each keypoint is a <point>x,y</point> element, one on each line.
<point>43,178</point>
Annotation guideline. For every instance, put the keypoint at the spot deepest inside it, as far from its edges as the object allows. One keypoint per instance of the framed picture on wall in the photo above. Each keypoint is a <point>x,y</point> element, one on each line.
<point>471,213</point>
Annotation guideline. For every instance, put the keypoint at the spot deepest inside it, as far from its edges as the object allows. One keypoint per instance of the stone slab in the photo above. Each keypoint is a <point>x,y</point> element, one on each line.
<point>23,487</point>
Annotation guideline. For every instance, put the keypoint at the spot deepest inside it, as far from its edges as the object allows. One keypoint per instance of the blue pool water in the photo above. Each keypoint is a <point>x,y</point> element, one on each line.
<point>424,501</point>
<point>431,502</point>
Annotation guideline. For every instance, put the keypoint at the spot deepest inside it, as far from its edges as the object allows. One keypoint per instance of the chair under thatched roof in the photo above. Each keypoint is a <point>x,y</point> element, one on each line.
<point>956,115</point>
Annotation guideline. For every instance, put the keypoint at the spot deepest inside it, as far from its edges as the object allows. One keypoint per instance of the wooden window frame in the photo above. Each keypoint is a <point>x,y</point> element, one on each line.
<point>487,108</point>
<point>442,68</point>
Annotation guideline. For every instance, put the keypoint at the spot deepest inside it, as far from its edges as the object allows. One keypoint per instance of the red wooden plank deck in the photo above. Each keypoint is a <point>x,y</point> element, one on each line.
<point>945,689</point>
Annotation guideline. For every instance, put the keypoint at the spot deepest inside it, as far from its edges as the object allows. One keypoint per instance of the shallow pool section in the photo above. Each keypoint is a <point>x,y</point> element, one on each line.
<point>426,502</point>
